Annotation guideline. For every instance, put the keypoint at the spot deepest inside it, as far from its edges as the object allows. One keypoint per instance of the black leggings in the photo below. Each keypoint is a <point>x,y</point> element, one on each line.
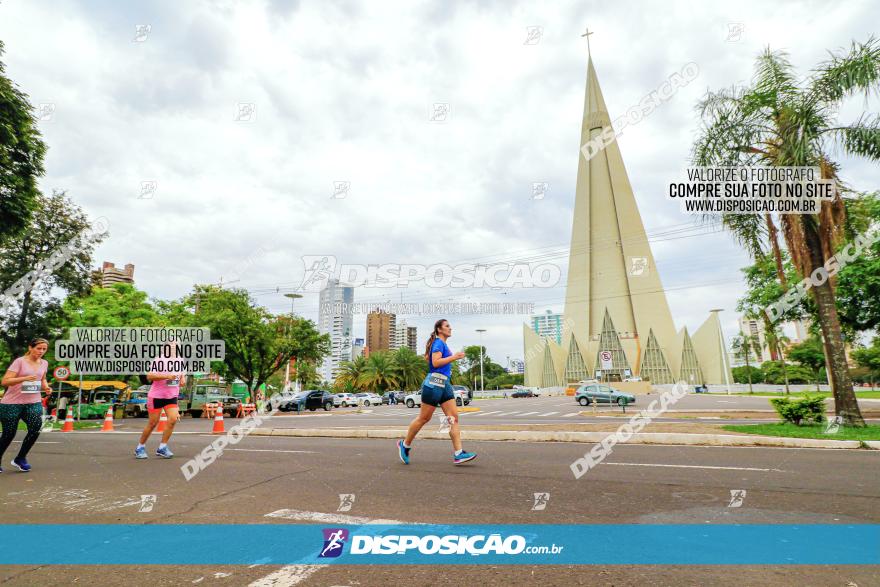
<point>10,414</point>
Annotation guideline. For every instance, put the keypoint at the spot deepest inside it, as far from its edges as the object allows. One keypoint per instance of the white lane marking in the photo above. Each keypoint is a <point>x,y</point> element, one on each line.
<point>293,574</point>
<point>509,413</point>
<point>547,414</point>
<point>693,467</point>
<point>310,452</point>
<point>302,515</point>
<point>569,415</point>
<point>487,413</point>
<point>289,575</point>
<point>527,414</point>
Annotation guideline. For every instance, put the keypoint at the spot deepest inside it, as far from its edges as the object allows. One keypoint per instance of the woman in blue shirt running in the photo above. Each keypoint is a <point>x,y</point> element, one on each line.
<point>437,391</point>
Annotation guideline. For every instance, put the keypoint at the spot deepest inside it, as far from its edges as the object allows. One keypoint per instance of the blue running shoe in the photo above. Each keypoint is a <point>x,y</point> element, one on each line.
<point>140,452</point>
<point>404,452</point>
<point>463,457</point>
<point>165,453</point>
<point>22,464</point>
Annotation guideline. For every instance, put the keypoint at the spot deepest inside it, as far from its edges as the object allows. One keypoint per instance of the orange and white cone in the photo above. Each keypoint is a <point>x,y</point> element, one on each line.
<point>68,422</point>
<point>163,419</point>
<point>218,421</point>
<point>108,421</point>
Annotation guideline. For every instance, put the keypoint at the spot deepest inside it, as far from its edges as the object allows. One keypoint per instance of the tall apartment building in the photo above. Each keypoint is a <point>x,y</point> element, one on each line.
<point>357,349</point>
<point>404,336</point>
<point>755,329</point>
<point>109,274</point>
<point>412,339</point>
<point>548,325</point>
<point>333,319</point>
<point>381,331</point>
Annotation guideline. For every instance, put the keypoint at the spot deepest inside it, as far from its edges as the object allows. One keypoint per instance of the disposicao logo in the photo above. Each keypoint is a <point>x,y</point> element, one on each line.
<point>334,541</point>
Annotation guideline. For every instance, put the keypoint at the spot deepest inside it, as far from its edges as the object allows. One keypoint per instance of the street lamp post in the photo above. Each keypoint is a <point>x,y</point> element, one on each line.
<point>293,297</point>
<point>724,363</point>
<point>482,382</point>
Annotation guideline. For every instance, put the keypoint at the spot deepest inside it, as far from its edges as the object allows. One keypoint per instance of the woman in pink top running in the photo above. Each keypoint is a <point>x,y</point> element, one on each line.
<point>24,380</point>
<point>163,395</point>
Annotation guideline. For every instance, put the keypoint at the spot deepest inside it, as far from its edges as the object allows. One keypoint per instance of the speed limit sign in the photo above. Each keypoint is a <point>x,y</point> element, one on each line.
<point>61,373</point>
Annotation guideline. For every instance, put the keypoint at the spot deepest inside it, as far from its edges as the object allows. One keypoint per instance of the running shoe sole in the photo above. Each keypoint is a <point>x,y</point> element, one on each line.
<point>400,453</point>
<point>14,464</point>
<point>462,461</point>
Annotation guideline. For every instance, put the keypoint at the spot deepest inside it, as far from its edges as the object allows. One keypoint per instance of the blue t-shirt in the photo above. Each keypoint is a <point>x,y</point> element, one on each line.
<point>446,369</point>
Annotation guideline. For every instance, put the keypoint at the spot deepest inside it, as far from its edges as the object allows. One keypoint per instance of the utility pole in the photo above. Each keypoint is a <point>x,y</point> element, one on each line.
<point>482,381</point>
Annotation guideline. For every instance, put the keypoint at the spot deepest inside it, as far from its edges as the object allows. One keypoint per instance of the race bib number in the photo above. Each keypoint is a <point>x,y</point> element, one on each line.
<point>172,382</point>
<point>30,387</point>
<point>437,379</point>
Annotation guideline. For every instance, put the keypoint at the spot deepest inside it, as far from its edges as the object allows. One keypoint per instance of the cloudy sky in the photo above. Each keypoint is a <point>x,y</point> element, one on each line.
<point>344,92</point>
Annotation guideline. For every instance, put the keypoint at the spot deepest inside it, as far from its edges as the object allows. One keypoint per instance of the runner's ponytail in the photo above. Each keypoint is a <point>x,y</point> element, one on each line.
<point>437,325</point>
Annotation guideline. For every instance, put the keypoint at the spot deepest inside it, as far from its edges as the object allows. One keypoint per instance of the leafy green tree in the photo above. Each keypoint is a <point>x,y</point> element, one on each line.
<point>858,283</point>
<point>744,345</point>
<point>778,373</point>
<point>411,368</point>
<point>869,358</point>
<point>257,343</point>
<point>747,374</point>
<point>780,121</point>
<point>117,306</point>
<point>307,374</point>
<point>59,230</point>
<point>349,376</point>
<point>380,372</point>
<point>809,354</point>
<point>21,158</point>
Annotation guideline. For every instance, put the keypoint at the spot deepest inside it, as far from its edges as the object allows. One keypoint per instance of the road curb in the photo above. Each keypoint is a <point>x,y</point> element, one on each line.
<point>585,437</point>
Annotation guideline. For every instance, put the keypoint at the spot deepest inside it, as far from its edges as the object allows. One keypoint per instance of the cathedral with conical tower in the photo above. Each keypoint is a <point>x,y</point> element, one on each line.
<point>617,322</point>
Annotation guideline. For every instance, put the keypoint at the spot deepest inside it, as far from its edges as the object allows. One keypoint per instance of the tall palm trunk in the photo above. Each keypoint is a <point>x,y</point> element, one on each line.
<point>773,237</point>
<point>845,404</point>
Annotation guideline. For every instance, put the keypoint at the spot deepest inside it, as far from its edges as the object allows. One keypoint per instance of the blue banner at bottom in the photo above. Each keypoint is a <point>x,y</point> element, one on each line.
<point>430,544</point>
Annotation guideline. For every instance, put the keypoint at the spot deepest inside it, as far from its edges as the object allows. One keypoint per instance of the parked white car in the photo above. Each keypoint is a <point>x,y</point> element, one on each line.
<point>415,398</point>
<point>343,400</point>
<point>368,399</point>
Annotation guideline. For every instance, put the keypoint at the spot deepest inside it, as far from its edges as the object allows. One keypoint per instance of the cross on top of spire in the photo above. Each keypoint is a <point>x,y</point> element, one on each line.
<point>587,34</point>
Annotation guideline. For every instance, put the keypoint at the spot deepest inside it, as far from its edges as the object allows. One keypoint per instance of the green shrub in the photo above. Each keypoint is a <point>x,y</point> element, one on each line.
<point>804,411</point>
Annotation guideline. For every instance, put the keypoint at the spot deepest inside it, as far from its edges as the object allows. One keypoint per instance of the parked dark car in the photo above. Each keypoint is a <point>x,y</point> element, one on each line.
<point>230,405</point>
<point>400,396</point>
<point>314,399</point>
<point>523,393</point>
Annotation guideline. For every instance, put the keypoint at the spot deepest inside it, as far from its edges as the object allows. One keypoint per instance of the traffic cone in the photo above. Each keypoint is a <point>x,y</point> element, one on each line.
<point>218,421</point>
<point>108,421</point>
<point>162,420</point>
<point>68,422</point>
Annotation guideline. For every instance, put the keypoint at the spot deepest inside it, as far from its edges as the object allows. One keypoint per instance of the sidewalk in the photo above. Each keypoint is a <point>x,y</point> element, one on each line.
<point>667,438</point>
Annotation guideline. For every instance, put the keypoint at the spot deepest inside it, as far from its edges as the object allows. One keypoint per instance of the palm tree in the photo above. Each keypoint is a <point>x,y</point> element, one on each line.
<point>744,344</point>
<point>379,372</point>
<point>349,374</point>
<point>780,121</point>
<point>411,368</point>
<point>776,340</point>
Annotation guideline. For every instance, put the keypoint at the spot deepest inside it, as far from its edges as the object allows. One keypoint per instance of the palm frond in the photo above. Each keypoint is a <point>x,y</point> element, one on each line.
<point>844,75</point>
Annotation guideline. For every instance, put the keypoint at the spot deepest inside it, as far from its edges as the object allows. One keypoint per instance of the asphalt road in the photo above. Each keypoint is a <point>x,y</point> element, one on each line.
<point>540,410</point>
<point>93,478</point>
